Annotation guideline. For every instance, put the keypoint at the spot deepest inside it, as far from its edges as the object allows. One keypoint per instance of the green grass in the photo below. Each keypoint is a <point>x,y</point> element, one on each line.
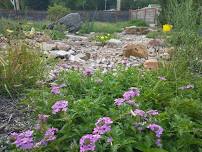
<point>20,69</point>
<point>105,27</point>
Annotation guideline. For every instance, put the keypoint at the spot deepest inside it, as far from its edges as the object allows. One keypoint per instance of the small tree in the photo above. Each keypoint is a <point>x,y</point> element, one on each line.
<point>57,11</point>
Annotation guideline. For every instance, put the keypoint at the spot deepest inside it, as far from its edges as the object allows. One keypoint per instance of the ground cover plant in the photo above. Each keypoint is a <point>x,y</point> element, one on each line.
<point>127,110</point>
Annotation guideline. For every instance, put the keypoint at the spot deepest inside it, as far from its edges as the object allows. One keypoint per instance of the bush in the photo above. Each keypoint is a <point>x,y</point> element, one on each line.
<point>92,97</point>
<point>20,69</point>
<point>56,11</point>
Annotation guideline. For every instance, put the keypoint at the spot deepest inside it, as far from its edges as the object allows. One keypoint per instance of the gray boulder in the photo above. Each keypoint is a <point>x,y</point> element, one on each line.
<point>72,21</point>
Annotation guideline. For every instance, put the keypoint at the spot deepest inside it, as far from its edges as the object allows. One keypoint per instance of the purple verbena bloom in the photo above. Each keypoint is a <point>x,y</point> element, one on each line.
<point>42,117</point>
<point>158,130</point>
<point>138,112</point>
<point>23,140</point>
<point>55,89</point>
<point>109,140</point>
<point>103,125</point>
<point>87,142</point>
<point>88,72</point>
<point>60,106</point>
<point>158,143</point>
<point>119,101</point>
<point>152,112</point>
<point>162,78</point>
<point>133,92</point>
<point>50,134</point>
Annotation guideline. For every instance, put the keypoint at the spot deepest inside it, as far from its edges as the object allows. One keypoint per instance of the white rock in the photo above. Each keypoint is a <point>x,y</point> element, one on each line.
<point>59,53</point>
<point>48,46</point>
<point>75,59</point>
<point>114,42</point>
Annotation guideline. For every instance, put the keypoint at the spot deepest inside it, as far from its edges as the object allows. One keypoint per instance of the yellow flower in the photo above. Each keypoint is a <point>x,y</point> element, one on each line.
<point>102,37</point>
<point>9,31</point>
<point>167,28</point>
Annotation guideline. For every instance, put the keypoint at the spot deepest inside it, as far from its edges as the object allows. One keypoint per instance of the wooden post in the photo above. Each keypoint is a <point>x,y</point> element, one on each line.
<point>118,6</point>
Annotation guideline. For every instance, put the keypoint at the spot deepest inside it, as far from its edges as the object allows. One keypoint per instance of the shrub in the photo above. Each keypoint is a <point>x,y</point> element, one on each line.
<point>56,11</point>
<point>20,69</point>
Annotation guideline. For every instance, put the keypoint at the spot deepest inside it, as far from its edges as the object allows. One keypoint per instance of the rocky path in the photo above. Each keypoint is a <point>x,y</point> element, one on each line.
<point>80,52</point>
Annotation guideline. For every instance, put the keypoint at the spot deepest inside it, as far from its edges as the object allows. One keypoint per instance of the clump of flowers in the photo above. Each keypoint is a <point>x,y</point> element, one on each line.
<point>87,142</point>
<point>50,134</point>
<point>119,101</point>
<point>158,130</point>
<point>60,106</point>
<point>103,125</point>
<point>42,117</point>
<point>55,89</point>
<point>88,72</point>
<point>187,87</point>
<point>127,97</point>
<point>23,140</point>
<point>103,38</point>
<point>167,28</point>
<point>141,113</point>
<point>131,93</point>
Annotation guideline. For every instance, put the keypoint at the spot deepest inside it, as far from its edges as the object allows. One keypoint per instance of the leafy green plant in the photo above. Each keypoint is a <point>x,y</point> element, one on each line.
<point>57,11</point>
<point>20,69</point>
<point>103,38</point>
<point>92,97</point>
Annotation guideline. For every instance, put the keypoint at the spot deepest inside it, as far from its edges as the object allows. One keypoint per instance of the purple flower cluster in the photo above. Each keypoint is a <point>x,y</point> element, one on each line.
<point>127,96</point>
<point>103,125</point>
<point>138,112</point>
<point>119,101</point>
<point>23,140</point>
<point>60,106</point>
<point>158,130</point>
<point>43,118</point>
<point>87,142</point>
<point>50,134</point>
<point>187,87</point>
<point>141,113</point>
<point>55,89</point>
<point>88,72</point>
<point>133,92</point>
